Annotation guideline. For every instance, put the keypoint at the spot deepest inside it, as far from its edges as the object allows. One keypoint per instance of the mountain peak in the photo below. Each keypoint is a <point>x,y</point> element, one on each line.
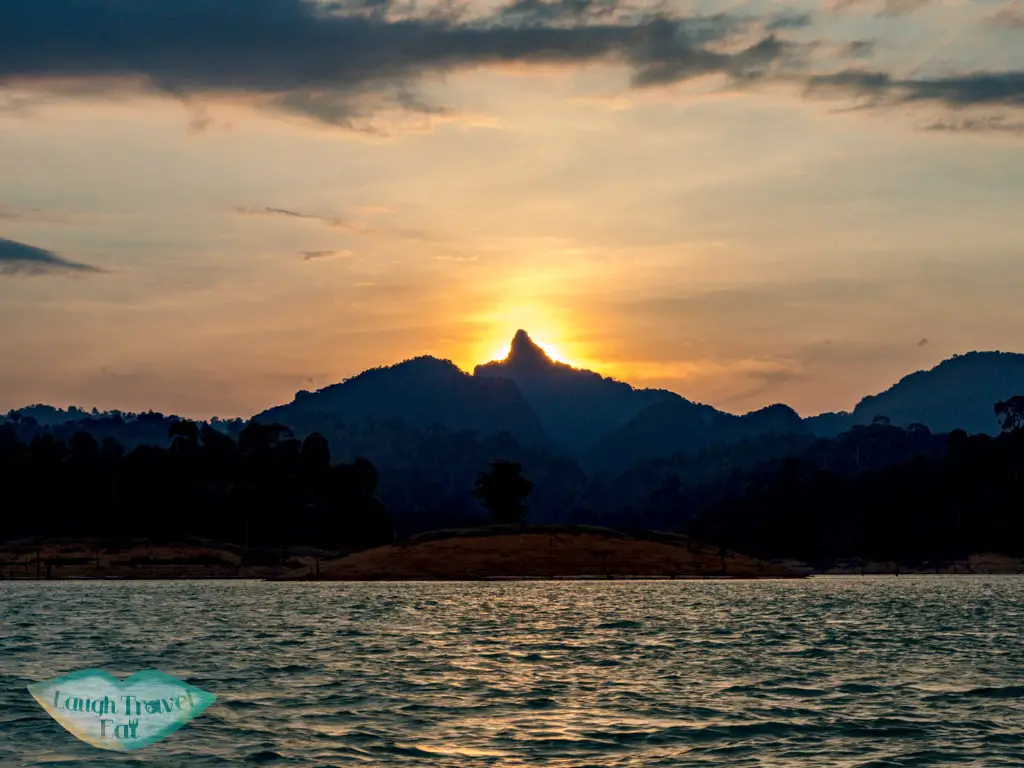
<point>524,351</point>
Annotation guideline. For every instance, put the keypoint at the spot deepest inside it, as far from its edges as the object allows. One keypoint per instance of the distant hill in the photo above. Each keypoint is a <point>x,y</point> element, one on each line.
<point>577,407</point>
<point>681,427</point>
<point>605,424</point>
<point>421,392</point>
<point>130,430</point>
<point>49,416</point>
<point>830,424</point>
<point>898,487</point>
<point>958,393</point>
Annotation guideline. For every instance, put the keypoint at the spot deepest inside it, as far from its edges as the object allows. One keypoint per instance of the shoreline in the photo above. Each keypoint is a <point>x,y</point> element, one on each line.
<point>504,579</point>
<point>488,554</point>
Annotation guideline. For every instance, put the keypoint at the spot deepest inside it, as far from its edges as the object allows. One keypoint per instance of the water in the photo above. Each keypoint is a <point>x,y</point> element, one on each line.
<point>908,671</point>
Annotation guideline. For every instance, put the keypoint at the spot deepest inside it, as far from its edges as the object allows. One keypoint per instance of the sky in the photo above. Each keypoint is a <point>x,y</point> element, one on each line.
<point>206,205</point>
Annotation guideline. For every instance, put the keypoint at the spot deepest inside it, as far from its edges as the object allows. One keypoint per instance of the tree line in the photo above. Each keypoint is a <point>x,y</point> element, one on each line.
<point>933,506</point>
<point>877,491</point>
<point>264,489</point>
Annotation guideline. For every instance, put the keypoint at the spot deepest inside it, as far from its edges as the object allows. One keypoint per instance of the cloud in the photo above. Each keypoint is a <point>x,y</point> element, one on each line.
<point>606,101</point>
<point>20,259</point>
<point>342,62</point>
<point>902,7</point>
<point>324,254</point>
<point>336,222</point>
<point>327,60</point>
<point>860,49</point>
<point>732,382</point>
<point>891,8</point>
<point>538,12</point>
<point>13,214</point>
<point>752,63</point>
<point>790,20</point>
<point>881,89</point>
<point>989,124</point>
<point>1010,17</point>
<point>923,342</point>
<point>36,216</point>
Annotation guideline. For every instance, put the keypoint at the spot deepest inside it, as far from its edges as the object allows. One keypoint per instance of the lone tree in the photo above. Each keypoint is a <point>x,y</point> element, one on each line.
<point>1011,413</point>
<point>502,489</point>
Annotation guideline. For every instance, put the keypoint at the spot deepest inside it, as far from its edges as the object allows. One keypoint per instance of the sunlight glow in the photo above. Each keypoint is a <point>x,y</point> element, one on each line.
<point>501,352</point>
<point>548,327</point>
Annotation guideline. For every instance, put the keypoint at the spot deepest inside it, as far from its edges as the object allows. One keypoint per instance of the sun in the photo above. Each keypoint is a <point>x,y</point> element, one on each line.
<point>552,350</point>
<point>548,328</point>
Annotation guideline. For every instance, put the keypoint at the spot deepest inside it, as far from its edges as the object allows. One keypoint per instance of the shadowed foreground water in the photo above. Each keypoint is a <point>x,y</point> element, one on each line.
<point>907,671</point>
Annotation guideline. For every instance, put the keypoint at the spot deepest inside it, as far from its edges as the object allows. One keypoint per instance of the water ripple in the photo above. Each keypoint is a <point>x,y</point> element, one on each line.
<point>844,672</point>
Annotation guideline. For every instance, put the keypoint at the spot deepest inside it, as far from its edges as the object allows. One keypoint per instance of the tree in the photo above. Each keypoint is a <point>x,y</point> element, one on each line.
<point>111,450</point>
<point>316,455</point>
<point>184,436</point>
<point>259,438</point>
<point>503,489</point>
<point>1011,413</point>
<point>84,447</point>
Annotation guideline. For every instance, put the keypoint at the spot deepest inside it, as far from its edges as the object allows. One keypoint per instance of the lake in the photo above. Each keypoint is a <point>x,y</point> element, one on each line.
<point>875,671</point>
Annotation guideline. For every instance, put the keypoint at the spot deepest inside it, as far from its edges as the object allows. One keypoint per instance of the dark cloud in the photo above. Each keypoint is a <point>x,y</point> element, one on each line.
<point>284,213</point>
<point>860,49</point>
<point>749,64</point>
<point>989,124</point>
<point>768,379</point>
<point>978,88</point>
<point>923,342</point>
<point>323,254</point>
<point>790,20</point>
<point>338,61</point>
<point>20,259</point>
<point>538,12</point>
<point>322,59</point>
<point>880,89</point>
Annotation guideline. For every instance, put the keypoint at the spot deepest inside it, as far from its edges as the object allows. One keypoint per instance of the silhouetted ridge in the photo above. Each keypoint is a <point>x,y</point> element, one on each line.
<point>585,416</point>
<point>524,353</point>
<point>775,418</point>
<point>681,428</point>
<point>421,392</point>
<point>575,406</point>
<point>757,482</point>
<point>420,370</point>
<point>958,393</point>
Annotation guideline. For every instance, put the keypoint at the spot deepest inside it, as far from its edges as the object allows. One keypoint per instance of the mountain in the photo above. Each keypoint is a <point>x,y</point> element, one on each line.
<point>958,393</point>
<point>422,392</point>
<point>831,424</point>
<point>597,420</point>
<point>681,427</point>
<point>577,407</point>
